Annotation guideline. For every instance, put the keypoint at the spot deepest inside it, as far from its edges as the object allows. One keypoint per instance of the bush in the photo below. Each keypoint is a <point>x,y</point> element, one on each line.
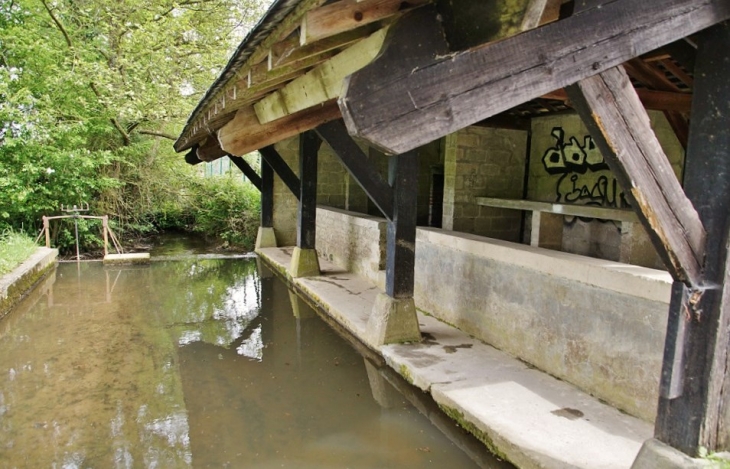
<point>14,249</point>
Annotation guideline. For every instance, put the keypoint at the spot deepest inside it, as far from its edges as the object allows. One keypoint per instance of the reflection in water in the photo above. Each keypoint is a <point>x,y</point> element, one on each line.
<point>195,363</point>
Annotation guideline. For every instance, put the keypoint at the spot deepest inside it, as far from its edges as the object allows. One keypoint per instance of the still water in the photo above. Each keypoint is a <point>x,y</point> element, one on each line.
<point>202,363</point>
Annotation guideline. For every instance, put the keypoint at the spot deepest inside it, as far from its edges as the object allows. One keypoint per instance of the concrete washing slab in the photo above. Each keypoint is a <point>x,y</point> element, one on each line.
<point>522,414</point>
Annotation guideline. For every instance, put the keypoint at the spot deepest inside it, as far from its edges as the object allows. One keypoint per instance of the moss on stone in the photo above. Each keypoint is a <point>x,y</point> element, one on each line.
<point>482,436</point>
<point>23,286</point>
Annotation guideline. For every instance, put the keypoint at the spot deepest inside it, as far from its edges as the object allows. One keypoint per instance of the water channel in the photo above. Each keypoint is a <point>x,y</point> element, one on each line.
<point>202,362</point>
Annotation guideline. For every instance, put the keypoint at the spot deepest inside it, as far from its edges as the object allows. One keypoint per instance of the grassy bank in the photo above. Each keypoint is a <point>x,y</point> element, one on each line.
<point>14,249</point>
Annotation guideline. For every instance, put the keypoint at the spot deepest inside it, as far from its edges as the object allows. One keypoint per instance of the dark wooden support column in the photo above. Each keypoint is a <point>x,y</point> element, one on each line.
<point>277,163</point>
<point>266,237</point>
<point>401,236</point>
<point>246,170</point>
<point>358,165</point>
<point>393,318</point>
<point>618,123</point>
<point>309,144</point>
<point>304,260</point>
<point>693,405</point>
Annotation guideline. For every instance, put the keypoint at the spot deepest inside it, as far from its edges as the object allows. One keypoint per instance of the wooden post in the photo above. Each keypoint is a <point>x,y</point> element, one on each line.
<point>105,227</point>
<point>401,237</point>
<point>693,402</point>
<point>46,226</point>
<point>267,195</point>
<point>309,144</point>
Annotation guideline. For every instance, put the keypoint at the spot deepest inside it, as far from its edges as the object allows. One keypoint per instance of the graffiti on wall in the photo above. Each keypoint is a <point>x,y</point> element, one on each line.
<point>584,175</point>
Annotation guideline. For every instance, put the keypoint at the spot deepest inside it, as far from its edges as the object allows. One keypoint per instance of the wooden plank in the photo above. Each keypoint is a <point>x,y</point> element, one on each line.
<point>328,44</point>
<point>357,164</point>
<point>654,100</point>
<point>695,414</point>
<point>619,125</point>
<point>247,170</point>
<point>267,195</point>
<point>400,258</point>
<point>322,83</point>
<point>277,163</point>
<point>410,107</point>
<point>540,12</point>
<point>309,144</point>
<point>583,211</point>
<point>345,15</point>
<point>210,150</point>
<point>244,134</point>
<point>262,74</point>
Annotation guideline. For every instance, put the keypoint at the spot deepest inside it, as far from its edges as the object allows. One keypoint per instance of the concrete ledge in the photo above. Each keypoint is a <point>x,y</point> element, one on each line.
<point>18,283</point>
<point>522,414</point>
<point>641,282</point>
<point>133,258</point>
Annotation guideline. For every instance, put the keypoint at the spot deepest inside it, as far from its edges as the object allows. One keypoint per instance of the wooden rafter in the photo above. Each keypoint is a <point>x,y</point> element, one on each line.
<point>410,107</point>
<point>320,84</point>
<point>654,100</point>
<point>619,125</point>
<point>210,150</point>
<point>338,17</point>
<point>245,134</point>
<point>285,173</point>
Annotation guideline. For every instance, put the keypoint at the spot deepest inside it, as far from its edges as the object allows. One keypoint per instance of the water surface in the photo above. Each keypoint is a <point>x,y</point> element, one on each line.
<point>201,363</point>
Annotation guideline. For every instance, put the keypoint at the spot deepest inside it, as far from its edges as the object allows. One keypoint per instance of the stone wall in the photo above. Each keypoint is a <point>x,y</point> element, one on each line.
<point>285,203</point>
<point>352,241</point>
<point>566,167</point>
<point>485,162</point>
<point>594,323</point>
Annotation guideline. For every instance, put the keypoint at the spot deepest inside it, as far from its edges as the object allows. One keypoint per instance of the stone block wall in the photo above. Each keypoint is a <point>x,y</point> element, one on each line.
<point>352,241</point>
<point>594,323</point>
<point>566,167</point>
<point>484,162</point>
<point>285,203</point>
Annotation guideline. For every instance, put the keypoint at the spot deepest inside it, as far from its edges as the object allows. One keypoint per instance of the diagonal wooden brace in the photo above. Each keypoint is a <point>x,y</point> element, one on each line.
<point>620,126</point>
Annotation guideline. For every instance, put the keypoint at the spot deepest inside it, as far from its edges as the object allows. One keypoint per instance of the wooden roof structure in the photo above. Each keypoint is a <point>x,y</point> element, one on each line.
<point>404,73</point>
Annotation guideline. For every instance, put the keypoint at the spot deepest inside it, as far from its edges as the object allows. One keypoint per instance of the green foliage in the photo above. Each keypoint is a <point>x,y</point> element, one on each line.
<point>14,249</point>
<point>92,93</point>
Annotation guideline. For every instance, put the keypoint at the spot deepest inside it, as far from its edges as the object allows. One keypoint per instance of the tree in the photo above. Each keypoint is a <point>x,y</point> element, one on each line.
<point>93,91</point>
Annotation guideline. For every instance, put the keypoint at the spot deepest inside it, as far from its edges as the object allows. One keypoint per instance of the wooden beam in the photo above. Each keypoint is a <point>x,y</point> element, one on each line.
<point>358,165</point>
<point>210,150</point>
<point>328,44</point>
<point>309,144</point>
<point>262,74</point>
<point>344,15</point>
<point>191,157</point>
<point>277,163</point>
<point>694,402</point>
<point>244,134</point>
<point>246,170</point>
<point>322,83</point>
<point>400,259</point>
<point>267,195</point>
<point>540,12</point>
<point>409,107</point>
<point>654,100</point>
<point>619,125</point>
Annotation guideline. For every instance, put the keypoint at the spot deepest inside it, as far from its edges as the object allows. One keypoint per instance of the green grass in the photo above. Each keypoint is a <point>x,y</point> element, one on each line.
<point>14,249</point>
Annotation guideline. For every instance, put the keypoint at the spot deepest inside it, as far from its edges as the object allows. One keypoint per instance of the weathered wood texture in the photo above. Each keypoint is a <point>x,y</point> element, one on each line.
<point>245,134</point>
<point>400,260</point>
<point>320,84</point>
<point>344,15</point>
<point>267,195</point>
<point>409,107</point>
<point>309,144</point>
<point>651,99</point>
<point>277,163</point>
<point>358,165</point>
<point>540,12</point>
<point>246,170</point>
<point>696,413</point>
<point>210,150</point>
<point>612,112</point>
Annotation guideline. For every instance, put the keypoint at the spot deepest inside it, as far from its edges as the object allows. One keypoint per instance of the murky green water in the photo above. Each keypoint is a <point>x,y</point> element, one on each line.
<point>201,363</point>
